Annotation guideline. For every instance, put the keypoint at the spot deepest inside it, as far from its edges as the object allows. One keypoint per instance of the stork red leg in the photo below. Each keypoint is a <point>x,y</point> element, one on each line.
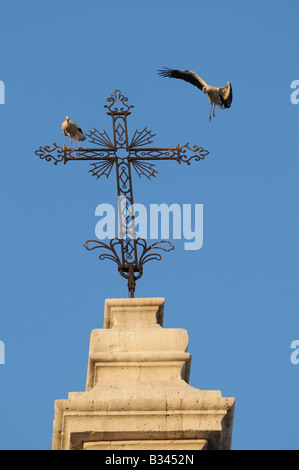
<point>210,111</point>
<point>80,148</point>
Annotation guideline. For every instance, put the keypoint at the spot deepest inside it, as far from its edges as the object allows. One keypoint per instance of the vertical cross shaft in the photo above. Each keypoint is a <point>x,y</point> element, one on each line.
<point>125,196</point>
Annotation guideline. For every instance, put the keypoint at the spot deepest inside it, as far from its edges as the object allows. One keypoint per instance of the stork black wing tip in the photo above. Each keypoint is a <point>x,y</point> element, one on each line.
<point>166,72</point>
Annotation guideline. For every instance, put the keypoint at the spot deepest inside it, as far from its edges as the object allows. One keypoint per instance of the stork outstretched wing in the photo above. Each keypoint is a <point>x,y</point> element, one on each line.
<point>186,75</point>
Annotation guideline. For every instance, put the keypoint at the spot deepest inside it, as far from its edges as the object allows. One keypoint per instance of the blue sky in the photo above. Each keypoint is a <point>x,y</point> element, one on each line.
<point>238,295</point>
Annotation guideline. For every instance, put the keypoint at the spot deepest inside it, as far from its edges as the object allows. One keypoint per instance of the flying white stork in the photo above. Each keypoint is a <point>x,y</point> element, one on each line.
<point>222,97</point>
<point>72,129</point>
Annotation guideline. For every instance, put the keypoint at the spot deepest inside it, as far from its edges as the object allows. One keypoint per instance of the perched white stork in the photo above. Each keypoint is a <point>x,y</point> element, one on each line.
<point>222,97</point>
<point>72,129</point>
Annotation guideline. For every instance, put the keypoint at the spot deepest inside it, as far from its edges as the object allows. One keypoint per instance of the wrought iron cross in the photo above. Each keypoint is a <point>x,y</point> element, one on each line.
<point>128,252</point>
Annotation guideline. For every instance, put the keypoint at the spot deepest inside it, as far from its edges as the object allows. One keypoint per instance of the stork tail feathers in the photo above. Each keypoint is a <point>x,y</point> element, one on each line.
<point>226,95</point>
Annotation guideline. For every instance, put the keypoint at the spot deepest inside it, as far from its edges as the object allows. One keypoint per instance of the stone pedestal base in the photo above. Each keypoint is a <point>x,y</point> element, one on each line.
<point>137,394</point>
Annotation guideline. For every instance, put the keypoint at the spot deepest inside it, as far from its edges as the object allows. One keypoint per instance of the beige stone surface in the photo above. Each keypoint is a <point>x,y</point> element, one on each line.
<point>183,444</point>
<point>137,388</point>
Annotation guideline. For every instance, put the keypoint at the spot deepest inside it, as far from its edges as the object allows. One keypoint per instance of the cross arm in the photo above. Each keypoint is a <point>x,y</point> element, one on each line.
<point>58,154</point>
<point>181,154</point>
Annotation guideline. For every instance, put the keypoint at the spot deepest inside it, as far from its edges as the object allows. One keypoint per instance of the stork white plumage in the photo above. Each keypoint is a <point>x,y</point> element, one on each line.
<point>222,97</point>
<point>71,129</point>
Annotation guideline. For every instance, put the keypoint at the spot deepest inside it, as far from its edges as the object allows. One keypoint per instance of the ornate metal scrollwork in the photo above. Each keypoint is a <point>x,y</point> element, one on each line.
<point>131,271</point>
<point>200,153</point>
<point>103,168</point>
<point>45,153</point>
<point>141,138</point>
<point>100,138</point>
<point>121,101</point>
<point>143,168</point>
<point>129,253</point>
